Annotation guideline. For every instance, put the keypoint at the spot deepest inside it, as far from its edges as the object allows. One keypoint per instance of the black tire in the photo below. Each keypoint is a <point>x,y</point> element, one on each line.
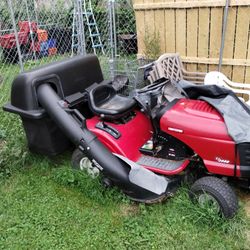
<point>76,158</point>
<point>218,191</point>
<point>80,161</point>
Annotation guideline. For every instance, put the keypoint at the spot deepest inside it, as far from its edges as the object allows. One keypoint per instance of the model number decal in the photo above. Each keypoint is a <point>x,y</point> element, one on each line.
<point>175,130</point>
<point>220,160</point>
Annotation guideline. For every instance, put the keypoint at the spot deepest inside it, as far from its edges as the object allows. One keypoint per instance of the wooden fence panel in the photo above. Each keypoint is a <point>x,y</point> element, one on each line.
<point>229,40</point>
<point>241,42</point>
<point>149,22</point>
<point>216,18</point>
<point>160,28</point>
<point>180,21</point>
<point>194,30</point>
<point>170,30</point>
<point>140,29</point>
<point>247,73</point>
<point>203,38</point>
<point>192,34</point>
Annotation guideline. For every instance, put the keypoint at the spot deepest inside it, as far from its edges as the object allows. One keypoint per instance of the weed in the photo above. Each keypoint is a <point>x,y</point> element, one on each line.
<point>152,45</point>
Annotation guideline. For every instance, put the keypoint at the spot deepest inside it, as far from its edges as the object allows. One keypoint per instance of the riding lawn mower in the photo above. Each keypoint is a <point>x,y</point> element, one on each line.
<point>145,147</point>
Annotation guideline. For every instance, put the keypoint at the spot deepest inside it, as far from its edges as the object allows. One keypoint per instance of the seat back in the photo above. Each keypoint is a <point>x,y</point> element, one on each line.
<point>102,94</point>
<point>217,78</point>
<point>170,66</point>
<point>106,103</point>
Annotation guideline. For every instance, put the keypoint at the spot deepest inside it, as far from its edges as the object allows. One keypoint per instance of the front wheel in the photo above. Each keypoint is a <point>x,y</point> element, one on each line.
<point>215,194</point>
<point>81,162</point>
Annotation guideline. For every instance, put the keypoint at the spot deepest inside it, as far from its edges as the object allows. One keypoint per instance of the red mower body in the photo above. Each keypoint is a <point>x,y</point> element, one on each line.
<point>193,122</point>
<point>202,128</point>
<point>133,135</point>
<point>68,103</point>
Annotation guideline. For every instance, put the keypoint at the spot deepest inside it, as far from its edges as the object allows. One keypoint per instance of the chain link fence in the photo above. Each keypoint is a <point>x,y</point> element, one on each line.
<point>34,32</point>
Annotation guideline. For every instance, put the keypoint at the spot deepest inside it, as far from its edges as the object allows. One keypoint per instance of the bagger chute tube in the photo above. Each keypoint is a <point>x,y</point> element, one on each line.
<point>143,144</point>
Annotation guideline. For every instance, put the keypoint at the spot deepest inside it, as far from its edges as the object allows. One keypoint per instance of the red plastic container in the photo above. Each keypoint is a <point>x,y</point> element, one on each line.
<point>8,41</point>
<point>25,27</point>
<point>52,51</point>
<point>42,35</point>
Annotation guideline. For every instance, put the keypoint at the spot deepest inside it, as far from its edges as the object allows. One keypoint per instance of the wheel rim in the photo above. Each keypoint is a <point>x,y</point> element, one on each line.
<point>86,165</point>
<point>208,201</point>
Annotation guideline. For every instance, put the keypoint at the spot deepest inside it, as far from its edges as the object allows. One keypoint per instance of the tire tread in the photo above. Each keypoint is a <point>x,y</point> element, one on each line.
<point>218,189</point>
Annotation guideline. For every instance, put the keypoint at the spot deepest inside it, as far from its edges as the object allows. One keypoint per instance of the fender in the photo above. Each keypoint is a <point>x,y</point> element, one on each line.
<point>202,128</point>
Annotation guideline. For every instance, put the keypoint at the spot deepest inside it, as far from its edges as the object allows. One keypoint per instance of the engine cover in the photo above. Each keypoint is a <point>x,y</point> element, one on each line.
<point>202,128</point>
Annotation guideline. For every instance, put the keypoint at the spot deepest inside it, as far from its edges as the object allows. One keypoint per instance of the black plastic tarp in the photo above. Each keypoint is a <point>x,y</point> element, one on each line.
<point>236,114</point>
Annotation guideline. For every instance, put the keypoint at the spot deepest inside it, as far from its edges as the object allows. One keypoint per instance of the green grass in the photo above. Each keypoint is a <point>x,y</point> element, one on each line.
<point>46,205</point>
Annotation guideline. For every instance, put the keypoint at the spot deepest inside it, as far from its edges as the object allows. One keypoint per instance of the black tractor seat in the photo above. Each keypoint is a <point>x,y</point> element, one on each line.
<point>106,103</point>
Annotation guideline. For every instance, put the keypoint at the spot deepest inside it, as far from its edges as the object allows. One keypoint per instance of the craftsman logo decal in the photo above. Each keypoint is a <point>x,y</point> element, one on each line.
<point>220,160</point>
<point>175,130</point>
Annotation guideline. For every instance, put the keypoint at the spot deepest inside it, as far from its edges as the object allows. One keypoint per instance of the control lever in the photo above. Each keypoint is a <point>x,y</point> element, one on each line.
<point>109,129</point>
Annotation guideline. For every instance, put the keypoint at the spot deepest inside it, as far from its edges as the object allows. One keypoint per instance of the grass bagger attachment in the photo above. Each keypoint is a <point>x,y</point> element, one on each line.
<point>144,146</point>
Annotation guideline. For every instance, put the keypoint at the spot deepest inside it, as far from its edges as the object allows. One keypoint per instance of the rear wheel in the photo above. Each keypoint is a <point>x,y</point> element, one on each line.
<point>216,195</point>
<point>81,162</point>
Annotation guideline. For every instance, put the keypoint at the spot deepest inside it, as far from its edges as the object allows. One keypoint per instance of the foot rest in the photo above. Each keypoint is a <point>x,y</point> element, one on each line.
<point>159,163</point>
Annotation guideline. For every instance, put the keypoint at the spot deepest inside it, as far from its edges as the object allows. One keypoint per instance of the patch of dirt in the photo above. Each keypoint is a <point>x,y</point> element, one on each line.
<point>129,209</point>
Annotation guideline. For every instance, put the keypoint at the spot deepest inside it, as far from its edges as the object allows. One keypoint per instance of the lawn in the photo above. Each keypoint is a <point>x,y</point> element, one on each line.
<point>46,205</point>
